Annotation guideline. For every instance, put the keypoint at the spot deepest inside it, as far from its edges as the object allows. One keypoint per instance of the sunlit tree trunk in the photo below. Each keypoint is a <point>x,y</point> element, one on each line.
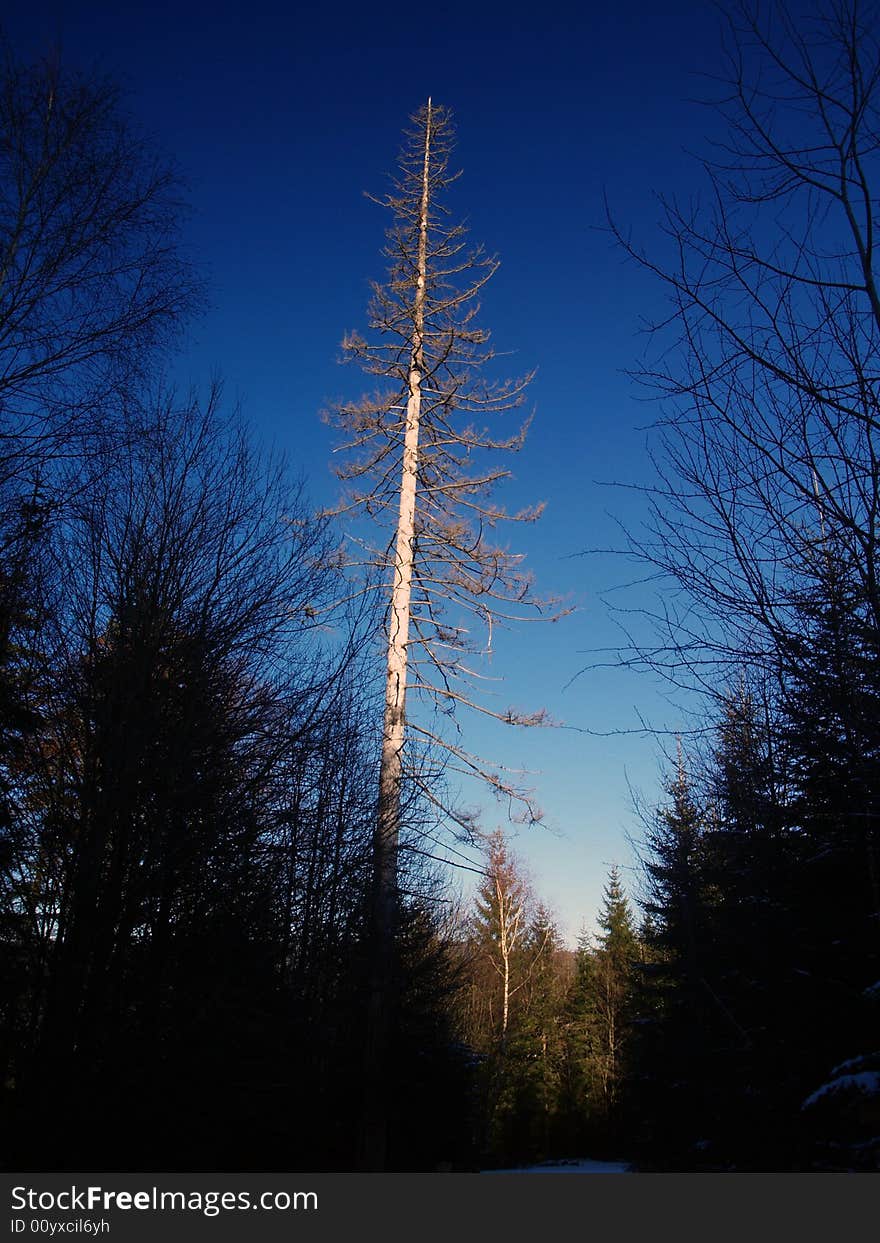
<point>384,899</point>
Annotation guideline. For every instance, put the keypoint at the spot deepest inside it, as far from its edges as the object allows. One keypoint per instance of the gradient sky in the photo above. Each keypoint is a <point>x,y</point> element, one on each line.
<point>280,117</point>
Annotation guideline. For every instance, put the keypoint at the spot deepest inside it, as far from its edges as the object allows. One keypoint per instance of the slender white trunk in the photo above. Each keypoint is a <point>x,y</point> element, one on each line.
<point>388,819</point>
<point>505,960</point>
<point>387,832</point>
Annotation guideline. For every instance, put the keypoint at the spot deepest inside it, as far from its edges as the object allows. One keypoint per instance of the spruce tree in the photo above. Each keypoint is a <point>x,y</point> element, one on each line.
<point>613,963</point>
<point>422,462</point>
<point>599,1015</point>
<point>832,738</point>
<point>682,1014</point>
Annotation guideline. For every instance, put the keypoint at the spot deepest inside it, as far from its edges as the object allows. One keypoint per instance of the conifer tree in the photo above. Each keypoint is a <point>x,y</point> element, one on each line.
<point>599,1012</point>
<point>613,963</point>
<point>533,1070</point>
<point>830,732</point>
<point>420,460</point>
<point>676,998</point>
<point>748,858</point>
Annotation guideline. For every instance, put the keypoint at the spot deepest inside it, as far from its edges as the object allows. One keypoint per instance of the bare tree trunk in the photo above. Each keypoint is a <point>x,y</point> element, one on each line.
<point>373,1137</point>
<point>505,958</point>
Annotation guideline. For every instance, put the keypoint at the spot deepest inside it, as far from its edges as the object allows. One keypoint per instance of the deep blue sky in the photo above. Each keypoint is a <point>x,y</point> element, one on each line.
<point>280,116</point>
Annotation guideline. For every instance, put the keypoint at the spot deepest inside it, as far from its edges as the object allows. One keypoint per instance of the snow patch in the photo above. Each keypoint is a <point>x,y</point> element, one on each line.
<point>860,1062</point>
<point>866,1081</point>
<point>580,1165</point>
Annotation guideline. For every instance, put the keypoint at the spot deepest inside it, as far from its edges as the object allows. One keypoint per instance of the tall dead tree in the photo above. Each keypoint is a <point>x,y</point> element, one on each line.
<point>419,462</point>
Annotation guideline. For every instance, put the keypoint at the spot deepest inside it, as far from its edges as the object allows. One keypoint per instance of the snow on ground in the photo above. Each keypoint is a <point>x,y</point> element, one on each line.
<point>866,1082</point>
<point>855,1063</point>
<point>579,1165</point>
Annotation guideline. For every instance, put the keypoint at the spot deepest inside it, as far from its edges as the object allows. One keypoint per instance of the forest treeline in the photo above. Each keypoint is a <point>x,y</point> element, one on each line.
<point>190,725</point>
<point>726,1019</point>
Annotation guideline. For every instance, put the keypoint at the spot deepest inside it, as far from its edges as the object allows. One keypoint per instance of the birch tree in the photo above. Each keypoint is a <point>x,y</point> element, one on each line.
<point>419,460</point>
<point>512,997</point>
<point>502,916</point>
